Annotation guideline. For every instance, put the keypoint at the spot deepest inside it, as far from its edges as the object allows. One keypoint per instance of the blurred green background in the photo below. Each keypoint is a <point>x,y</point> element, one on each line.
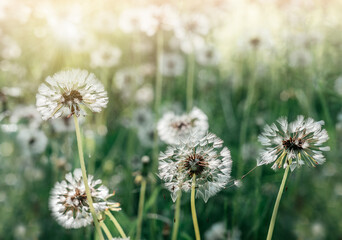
<point>253,61</point>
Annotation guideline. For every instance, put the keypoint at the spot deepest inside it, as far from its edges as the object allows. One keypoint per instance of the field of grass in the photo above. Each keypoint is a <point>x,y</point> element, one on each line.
<point>244,63</point>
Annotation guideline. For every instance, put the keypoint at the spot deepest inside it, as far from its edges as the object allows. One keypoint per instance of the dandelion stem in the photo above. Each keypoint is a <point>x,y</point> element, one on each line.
<point>159,76</point>
<point>141,207</point>
<point>190,82</point>
<point>85,179</point>
<point>106,230</point>
<point>116,223</point>
<point>276,205</point>
<point>177,213</point>
<point>158,98</point>
<point>193,208</point>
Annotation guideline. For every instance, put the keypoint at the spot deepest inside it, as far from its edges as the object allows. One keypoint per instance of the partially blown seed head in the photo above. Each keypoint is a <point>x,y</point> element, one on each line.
<point>68,200</point>
<point>293,143</point>
<point>204,157</point>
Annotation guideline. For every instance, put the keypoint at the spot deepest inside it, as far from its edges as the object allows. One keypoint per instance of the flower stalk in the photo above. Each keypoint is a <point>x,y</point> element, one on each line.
<point>106,230</point>
<point>276,205</point>
<point>190,82</point>
<point>177,214</point>
<point>193,208</point>
<point>85,178</point>
<point>116,223</point>
<point>141,207</point>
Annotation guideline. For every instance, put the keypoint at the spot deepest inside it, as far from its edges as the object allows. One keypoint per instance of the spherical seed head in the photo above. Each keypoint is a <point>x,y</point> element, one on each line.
<point>171,128</point>
<point>68,200</point>
<point>67,92</point>
<point>294,144</point>
<point>204,157</point>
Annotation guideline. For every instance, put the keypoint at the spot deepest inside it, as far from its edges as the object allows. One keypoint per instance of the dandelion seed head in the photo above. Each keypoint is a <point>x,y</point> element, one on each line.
<point>293,144</point>
<point>105,55</point>
<point>26,115</point>
<point>68,200</point>
<point>144,95</point>
<point>217,231</point>
<point>172,65</point>
<point>300,58</point>
<point>127,80</point>
<point>67,92</point>
<point>204,157</point>
<point>171,128</point>
<point>33,141</point>
<point>207,56</point>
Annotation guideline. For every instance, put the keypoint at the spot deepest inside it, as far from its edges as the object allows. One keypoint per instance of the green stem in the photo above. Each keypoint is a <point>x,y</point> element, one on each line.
<point>106,230</point>
<point>193,208</point>
<point>276,205</point>
<point>190,82</point>
<point>177,214</point>
<point>85,179</point>
<point>141,207</point>
<point>158,98</point>
<point>116,223</point>
<point>159,76</point>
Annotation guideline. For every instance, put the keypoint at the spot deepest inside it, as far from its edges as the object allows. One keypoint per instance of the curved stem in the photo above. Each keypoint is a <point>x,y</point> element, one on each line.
<point>177,213</point>
<point>276,205</point>
<point>85,179</point>
<point>106,230</point>
<point>193,208</point>
<point>190,82</point>
<point>141,207</point>
<point>116,223</point>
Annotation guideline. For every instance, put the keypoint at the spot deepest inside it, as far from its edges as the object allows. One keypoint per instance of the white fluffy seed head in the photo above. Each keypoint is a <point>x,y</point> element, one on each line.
<point>171,127</point>
<point>204,156</point>
<point>294,143</point>
<point>68,201</point>
<point>67,92</point>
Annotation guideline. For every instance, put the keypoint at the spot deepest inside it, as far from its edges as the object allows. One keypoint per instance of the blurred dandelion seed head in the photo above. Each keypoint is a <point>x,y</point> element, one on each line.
<point>171,127</point>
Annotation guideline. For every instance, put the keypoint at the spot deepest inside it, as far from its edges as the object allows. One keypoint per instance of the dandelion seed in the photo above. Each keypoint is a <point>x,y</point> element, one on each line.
<point>204,157</point>
<point>238,183</point>
<point>171,128</point>
<point>293,143</point>
<point>66,92</point>
<point>68,201</point>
